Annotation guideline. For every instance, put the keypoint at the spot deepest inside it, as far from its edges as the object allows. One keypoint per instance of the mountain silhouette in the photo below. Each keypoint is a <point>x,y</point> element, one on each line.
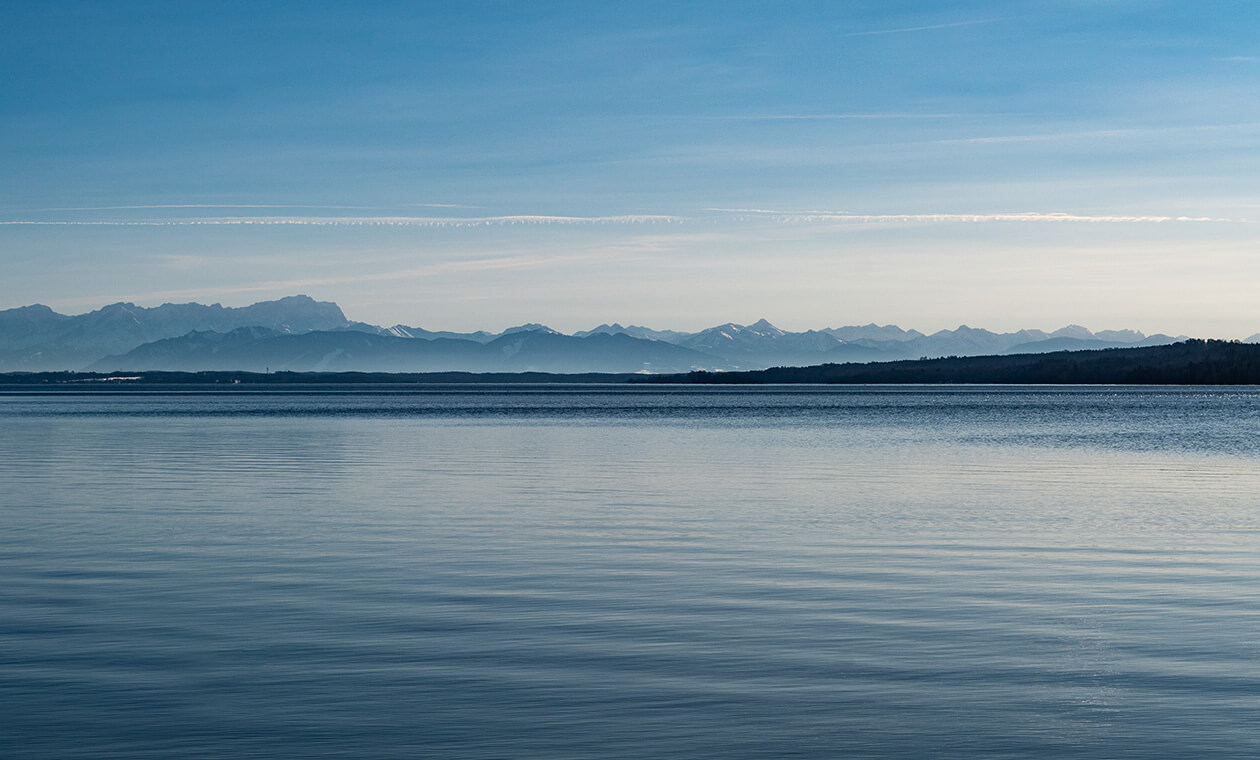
<point>300,332</point>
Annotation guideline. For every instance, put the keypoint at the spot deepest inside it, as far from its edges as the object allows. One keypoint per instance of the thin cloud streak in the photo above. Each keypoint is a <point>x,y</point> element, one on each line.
<point>909,29</point>
<point>194,205</point>
<point>361,221</point>
<point>1030,216</point>
<point>729,215</point>
<point>1124,132</point>
<point>834,116</point>
<point>759,211</point>
<point>437,205</point>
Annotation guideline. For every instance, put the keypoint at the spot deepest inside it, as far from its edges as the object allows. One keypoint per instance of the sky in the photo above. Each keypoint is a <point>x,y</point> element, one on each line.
<point>474,165</point>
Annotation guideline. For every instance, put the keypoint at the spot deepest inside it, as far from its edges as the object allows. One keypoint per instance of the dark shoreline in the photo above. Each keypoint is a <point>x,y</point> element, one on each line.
<point>1191,362</point>
<point>224,380</point>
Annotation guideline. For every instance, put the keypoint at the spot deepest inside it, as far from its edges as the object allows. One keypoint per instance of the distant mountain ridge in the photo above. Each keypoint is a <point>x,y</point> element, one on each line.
<point>260,350</point>
<point>37,338</point>
<point>301,334</point>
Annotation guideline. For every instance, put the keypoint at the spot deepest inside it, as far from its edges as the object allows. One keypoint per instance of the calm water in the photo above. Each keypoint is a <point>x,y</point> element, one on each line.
<point>631,573</point>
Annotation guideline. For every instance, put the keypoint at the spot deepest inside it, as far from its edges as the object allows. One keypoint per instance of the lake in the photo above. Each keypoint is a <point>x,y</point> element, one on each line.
<point>630,572</point>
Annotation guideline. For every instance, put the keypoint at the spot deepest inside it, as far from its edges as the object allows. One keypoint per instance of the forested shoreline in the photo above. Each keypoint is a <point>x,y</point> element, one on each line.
<point>1191,362</point>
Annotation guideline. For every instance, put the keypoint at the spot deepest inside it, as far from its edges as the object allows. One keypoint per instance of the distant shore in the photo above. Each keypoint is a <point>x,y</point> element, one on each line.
<point>87,381</point>
<point>1192,362</point>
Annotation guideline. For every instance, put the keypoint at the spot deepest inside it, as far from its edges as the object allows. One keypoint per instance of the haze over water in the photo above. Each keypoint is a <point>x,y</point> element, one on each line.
<point>631,572</point>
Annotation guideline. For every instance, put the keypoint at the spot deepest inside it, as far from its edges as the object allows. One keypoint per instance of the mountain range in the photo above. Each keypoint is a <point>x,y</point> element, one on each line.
<point>298,333</point>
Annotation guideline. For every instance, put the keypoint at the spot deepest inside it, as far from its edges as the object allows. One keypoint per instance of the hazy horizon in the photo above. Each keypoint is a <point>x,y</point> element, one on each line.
<point>495,328</point>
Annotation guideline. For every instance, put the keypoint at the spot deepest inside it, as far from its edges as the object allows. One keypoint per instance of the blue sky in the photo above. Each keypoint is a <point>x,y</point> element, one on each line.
<point>480,164</point>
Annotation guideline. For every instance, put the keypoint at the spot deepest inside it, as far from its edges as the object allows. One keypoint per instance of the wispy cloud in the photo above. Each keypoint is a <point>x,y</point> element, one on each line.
<point>156,206</point>
<point>436,205</point>
<point>855,116</point>
<point>358,221</point>
<point>715,215</point>
<point>909,29</point>
<point>1030,216</point>
<point>1098,133</point>
<point>748,211</point>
